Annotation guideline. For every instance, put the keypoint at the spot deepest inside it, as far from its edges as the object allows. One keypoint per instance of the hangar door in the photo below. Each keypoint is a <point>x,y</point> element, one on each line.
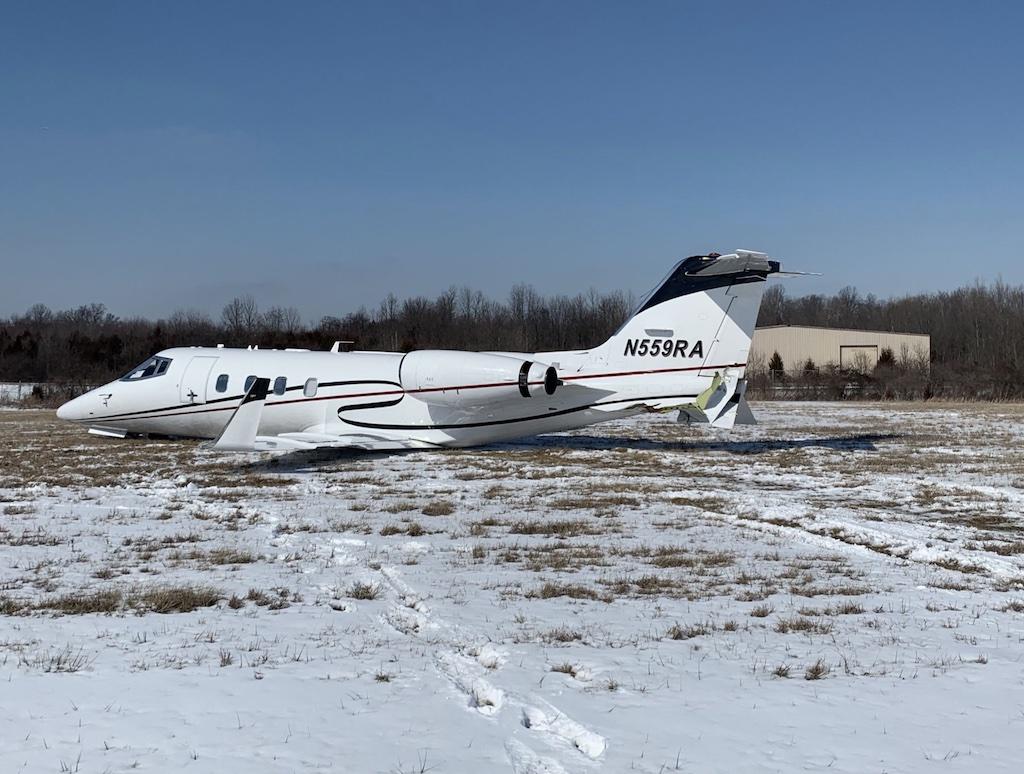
<point>858,357</point>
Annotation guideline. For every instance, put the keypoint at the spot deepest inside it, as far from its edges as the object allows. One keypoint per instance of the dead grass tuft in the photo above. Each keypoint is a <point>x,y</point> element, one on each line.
<point>802,626</point>
<point>361,590</point>
<point>677,632</point>
<point>574,590</point>
<point>230,556</point>
<point>83,603</point>
<point>816,671</point>
<point>439,508</point>
<point>563,528</point>
<point>561,634</point>
<point>179,599</point>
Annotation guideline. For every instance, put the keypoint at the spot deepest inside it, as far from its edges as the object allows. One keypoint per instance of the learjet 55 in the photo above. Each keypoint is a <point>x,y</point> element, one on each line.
<point>684,348</point>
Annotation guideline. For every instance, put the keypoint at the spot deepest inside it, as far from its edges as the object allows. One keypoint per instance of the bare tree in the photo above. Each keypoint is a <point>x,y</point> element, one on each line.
<point>241,317</point>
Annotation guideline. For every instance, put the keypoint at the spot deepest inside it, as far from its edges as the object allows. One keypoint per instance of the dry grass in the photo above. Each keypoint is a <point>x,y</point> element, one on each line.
<point>802,625</point>
<point>439,508</point>
<point>157,599</point>
<point>817,671</point>
<point>1004,548</point>
<point>681,556</point>
<point>401,507</point>
<point>229,556</point>
<point>366,591</point>
<point>65,660</point>
<point>565,668</point>
<point>573,590</point>
<point>558,528</point>
<point>179,599</point>
<point>561,634</point>
<point>688,632</point>
<point>840,590</point>
<point>33,537</point>
<point>952,563</point>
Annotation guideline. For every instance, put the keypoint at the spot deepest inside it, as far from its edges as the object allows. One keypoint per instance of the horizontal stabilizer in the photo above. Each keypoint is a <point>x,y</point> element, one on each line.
<point>744,416</point>
<point>721,405</point>
<point>239,434</point>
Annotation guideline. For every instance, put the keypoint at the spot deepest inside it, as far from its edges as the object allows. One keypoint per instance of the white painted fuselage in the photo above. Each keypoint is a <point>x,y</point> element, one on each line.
<point>361,393</point>
<point>692,331</point>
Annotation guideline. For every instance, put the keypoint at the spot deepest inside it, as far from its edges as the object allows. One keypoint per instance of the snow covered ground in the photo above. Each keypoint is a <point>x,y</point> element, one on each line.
<point>839,587</point>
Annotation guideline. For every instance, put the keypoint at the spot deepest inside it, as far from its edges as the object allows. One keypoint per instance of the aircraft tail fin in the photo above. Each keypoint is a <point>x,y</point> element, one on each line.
<point>701,317</point>
<point>239,434</point>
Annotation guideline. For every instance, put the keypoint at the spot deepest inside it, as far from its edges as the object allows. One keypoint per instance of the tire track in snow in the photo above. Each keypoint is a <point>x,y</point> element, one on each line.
<point>464,666</point>
<point>857,539</point>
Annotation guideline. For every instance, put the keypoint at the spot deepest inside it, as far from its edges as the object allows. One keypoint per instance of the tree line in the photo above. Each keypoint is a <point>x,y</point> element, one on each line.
<point>90,345</point>
<point>977,334</point>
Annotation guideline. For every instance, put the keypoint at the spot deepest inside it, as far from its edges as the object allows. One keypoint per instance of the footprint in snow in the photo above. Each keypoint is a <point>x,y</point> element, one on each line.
<point>487,656</point>
<point>555,722</point>
<point>405,620</point>
<point>526,761</point>
<point>485,698</point>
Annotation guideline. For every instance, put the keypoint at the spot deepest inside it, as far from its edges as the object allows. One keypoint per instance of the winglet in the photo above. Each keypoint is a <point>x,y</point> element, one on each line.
<point>239,434</point>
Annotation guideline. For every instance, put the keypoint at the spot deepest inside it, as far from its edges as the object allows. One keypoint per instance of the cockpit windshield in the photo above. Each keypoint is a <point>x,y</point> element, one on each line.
<point>155,366</point>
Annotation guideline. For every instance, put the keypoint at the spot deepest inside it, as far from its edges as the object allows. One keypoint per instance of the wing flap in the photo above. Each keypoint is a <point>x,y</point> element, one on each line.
<point>310,440</point>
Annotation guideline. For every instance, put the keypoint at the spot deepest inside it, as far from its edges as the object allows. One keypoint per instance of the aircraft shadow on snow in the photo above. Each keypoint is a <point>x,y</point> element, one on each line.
<point>299,461</point>
<point>858,442</point>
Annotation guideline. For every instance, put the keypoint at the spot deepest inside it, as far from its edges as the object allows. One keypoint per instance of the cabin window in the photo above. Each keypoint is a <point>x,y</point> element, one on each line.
<point>280,385</point>
<point>222,383</point>
<point>310,389</point>
<point>155,366</point>
<point>249,381</point>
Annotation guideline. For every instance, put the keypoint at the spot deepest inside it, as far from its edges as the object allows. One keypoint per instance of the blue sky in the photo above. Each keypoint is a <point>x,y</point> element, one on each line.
<point>164,155</point>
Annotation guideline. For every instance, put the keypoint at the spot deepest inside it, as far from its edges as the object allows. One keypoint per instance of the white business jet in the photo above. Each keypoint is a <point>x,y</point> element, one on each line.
<point>685,348</point>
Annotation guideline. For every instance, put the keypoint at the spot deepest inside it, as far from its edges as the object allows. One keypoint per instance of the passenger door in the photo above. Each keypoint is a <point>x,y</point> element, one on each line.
<point>195,379</point>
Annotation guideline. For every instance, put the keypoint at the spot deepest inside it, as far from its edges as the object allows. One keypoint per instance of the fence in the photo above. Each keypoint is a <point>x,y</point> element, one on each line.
<point>39,393</point>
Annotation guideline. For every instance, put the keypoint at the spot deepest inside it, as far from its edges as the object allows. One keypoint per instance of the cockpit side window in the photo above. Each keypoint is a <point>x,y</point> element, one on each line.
<point>280,385</point>
<point>155,366</point>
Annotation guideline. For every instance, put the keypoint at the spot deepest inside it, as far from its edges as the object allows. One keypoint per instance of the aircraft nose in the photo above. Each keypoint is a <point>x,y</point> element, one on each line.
<point>72,410</point>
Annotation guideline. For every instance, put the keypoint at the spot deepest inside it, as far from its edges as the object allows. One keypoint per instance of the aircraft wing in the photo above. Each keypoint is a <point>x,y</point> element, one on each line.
<point>240,433</point>
<point>299,441</point>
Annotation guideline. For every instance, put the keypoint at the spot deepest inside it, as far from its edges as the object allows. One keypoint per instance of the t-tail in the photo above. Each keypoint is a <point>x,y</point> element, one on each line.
<point>699,320</point>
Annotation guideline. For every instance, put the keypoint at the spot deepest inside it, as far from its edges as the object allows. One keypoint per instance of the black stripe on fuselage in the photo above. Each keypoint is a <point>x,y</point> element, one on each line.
<point>464,425</point>
<point>378,404</point>
<point>184,409</point>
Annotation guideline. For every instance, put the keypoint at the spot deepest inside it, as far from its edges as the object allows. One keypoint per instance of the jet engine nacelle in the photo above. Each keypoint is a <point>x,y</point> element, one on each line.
<point>445,378</point>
